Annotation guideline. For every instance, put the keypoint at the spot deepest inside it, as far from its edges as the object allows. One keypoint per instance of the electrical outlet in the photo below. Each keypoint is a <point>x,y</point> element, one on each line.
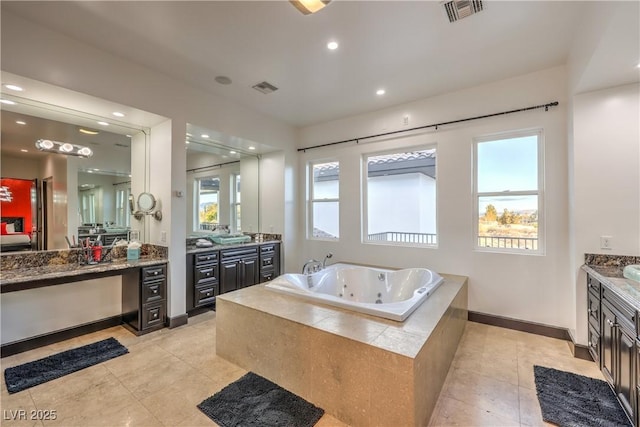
<point>606,242</point>
<point>405,121</point>
<point>163,236</point>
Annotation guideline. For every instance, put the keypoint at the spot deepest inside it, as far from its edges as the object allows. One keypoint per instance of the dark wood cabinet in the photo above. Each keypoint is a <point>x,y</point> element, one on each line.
<point>238,268</point>
<point>614,340</point>
<point>144,298</point>
<point>269,261</point>
<point>203,279</point>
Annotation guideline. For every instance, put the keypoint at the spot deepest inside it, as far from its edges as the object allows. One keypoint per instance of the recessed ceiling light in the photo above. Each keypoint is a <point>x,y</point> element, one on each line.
<point>14,87</point>
<point>24,151</point>
<point>252,148</point>
<point>103,123</point>
<point>88,131</point>
<point>223,80</point>
<point>118,114</point>
<point>380,92</point>
<point>204,135</point>
<point>332,45</point>
<point>20,122</point>
<point>8,102</point>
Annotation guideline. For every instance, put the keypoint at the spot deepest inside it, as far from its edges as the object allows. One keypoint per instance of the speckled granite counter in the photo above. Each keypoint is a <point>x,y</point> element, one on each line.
<point>29,270</point>
<point>608,270</point>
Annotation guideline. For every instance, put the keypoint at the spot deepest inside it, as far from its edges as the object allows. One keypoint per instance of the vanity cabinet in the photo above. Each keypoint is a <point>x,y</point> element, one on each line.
<point>238,268</point>
<point>613,341</point>
<point>144,298</point>
<point>203,278</point>
<point>269,261</point>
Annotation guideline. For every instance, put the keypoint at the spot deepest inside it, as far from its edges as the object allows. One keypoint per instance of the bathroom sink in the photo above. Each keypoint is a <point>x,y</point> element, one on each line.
<point>227,239</point>
<point>632,272</point>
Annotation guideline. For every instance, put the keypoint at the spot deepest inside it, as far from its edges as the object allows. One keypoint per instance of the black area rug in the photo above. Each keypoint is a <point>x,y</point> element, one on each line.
<point>571,400</point>
<point>58,365</point>
<point>255,401</point>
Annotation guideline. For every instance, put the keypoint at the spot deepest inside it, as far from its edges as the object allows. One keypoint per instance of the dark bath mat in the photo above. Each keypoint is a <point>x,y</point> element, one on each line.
<point>255,401</point>
<point>58,365</point>
<point>571,400</point>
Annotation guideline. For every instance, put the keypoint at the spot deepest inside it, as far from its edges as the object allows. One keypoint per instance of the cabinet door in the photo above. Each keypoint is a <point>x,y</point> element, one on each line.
<point>249,271</point>
<point>229,276</point>
<point>625,380</point>
<point>607,350</point>
<point>594,344</point>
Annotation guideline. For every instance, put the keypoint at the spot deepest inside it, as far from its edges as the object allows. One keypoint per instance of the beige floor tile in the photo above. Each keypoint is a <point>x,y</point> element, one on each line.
<point>453,412</point>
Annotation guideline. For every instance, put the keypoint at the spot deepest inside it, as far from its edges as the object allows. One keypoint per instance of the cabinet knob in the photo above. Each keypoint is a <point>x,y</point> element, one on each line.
<point>155,291</point>
<point>155,273</point>
<point>155,315</point>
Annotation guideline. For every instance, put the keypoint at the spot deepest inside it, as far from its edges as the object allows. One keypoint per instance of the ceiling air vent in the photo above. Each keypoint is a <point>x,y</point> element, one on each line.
<point>265,87</point>
<point>458,9</point>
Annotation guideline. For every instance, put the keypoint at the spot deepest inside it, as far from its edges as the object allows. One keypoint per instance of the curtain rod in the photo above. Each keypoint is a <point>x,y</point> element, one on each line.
<point>212,166</point>
<point>435,125</point>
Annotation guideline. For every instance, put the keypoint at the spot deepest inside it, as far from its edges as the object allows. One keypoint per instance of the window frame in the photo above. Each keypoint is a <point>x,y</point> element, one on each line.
<point>236,221</point>
<point>364,166</point>
<point>196,201</point>
<point>311,200</point>
<point>539,132</point>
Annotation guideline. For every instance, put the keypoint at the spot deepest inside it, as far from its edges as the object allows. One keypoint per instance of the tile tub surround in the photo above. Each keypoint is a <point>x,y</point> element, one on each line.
<point>363,370</point>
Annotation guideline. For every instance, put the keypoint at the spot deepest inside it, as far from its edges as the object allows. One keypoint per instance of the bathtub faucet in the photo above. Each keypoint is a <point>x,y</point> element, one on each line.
<point>326,257</point>
<point>311,266</point>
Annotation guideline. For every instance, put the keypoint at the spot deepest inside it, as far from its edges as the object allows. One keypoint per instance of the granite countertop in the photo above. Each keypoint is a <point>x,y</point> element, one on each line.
<point>192,249</point>
<point>611,277</point>
<point>24,275</point>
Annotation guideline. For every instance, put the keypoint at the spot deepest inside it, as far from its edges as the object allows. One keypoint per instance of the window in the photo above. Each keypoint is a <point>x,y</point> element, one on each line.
<point>123,212</point>
<point>236,223</point>
<point>508,196</point>
<point>401,197</point>
<point>206,203</point>
<point>88,208</point>
<point>324,194</point>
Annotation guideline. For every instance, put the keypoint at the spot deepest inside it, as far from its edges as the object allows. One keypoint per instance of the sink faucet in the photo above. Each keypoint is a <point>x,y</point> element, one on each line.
<point>311,266</point>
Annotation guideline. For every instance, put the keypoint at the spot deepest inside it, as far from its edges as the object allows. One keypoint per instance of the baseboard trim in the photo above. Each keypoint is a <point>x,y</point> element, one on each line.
<point>581,352</point>
<point>520,325</point>
<point>174,322</point>
<point>27,344</point>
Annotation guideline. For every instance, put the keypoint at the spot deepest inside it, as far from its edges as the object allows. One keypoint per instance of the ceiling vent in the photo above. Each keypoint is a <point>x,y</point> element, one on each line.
<point>265,87</point>
<point>458,9</point>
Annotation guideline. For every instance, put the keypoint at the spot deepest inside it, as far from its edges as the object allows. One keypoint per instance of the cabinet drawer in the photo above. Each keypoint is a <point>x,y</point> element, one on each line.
<point>153,291</point>
<point>593,285</point>
<point>238,253</point>
<point>593,310</point>
<point>152,273</point>
<point>153,315</point>
<point>206,257</point>
<point>206,272</point>
<point>267,275</point>
<point>266,261</point>
<point>205,295</point>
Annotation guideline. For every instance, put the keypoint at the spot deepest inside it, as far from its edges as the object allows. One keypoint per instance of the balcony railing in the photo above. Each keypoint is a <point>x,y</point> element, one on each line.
<point>404,237</point>
<point>508,242</point>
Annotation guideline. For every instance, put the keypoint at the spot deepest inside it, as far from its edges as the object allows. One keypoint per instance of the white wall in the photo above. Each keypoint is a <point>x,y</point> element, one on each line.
<point>527,287</point>
<point>606,180</point>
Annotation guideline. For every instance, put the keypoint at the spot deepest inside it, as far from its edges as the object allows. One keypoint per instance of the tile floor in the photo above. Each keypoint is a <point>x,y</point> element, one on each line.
<point>168,372</point>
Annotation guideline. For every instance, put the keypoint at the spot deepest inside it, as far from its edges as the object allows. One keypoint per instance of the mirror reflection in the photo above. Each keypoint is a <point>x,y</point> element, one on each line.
<point>222,184</point>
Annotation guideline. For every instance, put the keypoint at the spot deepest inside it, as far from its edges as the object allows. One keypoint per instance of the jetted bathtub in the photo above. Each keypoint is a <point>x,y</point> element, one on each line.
<point>391,294</point>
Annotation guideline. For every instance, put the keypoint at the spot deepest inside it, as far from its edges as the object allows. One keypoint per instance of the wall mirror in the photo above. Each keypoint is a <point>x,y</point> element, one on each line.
<point>75,196</point>
<point>223,182</point>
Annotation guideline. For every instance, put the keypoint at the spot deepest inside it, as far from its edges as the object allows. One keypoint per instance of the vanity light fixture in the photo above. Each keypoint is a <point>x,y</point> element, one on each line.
<point>13,87</point>
<point>88,131</point>
<point>63,148</point>
<point>118,114</point>
<point>308,7</point>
